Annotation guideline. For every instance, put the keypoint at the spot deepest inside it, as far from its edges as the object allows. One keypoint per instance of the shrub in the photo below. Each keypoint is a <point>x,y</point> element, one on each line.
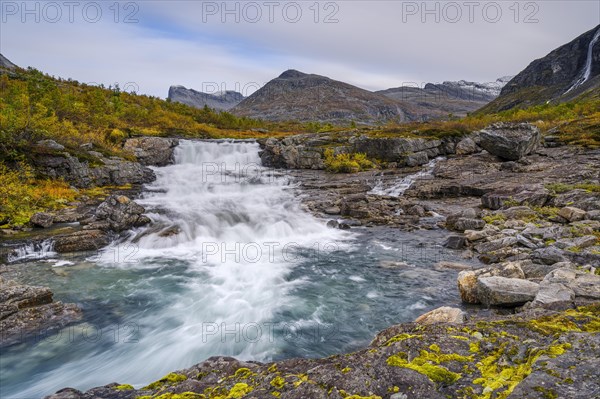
<point>346,163</point>
<point>22,195</point>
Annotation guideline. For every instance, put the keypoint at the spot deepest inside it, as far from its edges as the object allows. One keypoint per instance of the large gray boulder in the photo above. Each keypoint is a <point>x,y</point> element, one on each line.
<point>81,241</point>
<point>96,170</point>
<point>467,279</point>
<point>152,151</point>
<point>584,285</point>
<point>121,213</point>
<point>510,141</point>
<point>445,314</point>
<point>28,310</point>
<point>503,291</point>
<point>42,219</point>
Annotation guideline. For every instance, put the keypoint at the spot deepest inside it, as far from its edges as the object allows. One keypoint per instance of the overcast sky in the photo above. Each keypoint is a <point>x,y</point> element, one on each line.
<point>151,45</point>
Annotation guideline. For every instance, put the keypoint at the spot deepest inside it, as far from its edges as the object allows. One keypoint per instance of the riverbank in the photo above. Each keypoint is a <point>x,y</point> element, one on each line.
<point>532,355</point>
<point>531,220</point>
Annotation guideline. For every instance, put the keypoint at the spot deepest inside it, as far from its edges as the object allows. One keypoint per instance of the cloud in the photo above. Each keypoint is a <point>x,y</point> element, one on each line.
<point>374,44</point>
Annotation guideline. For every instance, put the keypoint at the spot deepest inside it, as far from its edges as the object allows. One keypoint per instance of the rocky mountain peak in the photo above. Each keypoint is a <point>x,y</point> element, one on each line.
<point>223,100</point>
<point>5,63</point>
<point>562,75</point>
<point>292,74</point>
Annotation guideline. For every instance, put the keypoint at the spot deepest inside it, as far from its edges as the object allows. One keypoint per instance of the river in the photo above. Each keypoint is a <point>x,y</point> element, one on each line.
<point>232,265</point>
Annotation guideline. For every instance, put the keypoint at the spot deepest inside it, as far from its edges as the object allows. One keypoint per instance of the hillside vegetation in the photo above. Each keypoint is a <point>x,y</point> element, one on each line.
<point>35,106</point>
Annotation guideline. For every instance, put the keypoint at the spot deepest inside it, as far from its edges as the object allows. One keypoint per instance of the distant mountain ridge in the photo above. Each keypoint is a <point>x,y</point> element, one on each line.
<point>295,95</point>
<point>299,96</point>
<point>223,101</point>
<point>569,71</point>
<point>441,99</point>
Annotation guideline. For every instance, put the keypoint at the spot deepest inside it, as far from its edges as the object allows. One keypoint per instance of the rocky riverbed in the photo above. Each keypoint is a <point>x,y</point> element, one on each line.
<point>532,355</point>
<point>515,203</point>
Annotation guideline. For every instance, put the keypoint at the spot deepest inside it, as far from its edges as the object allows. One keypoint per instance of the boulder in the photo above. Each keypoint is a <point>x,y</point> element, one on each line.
<point>79,241</point>
<point>584,285</point>
<point>549,255</point>
<point>152,151</point>
<point>121,213</point>
<point>503,291</point>
<point>28,310</point>
<point>463,224</point>
<point>572,214</point>
<point>455,242</point>
<point>466,146</point>
<point>510,141</point>
<point>467,280</point>
<point>551,294</point>
<point>42,219</point>
<point>495,245</point>
<point>444,314</point>
<point>49,145</point>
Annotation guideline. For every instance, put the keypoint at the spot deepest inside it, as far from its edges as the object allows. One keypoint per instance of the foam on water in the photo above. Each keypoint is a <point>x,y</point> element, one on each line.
<point>398,188</point>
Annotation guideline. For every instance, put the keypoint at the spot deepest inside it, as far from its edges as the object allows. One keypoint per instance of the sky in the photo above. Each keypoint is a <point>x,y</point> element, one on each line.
<point>147,46</point>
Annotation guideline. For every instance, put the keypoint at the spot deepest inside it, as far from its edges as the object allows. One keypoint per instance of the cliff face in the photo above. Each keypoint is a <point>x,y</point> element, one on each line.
<point>221,101</point>
<point>564,74</point>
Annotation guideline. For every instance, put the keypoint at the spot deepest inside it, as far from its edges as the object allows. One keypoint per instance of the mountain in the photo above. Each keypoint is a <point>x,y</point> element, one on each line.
<point>457,98</point>
<point>307,97</point>
<point>570,71</point>
<point>5,63</point>
<point>219,101</point>
<point>299,96</point>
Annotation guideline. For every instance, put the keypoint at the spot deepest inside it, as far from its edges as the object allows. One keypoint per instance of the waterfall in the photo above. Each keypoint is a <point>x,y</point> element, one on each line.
<point>587,70</point>
<point>398,189</point>
<point>32,251</point>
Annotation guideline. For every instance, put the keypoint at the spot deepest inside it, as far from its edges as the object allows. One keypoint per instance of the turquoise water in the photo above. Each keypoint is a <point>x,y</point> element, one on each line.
<point>232,266</point>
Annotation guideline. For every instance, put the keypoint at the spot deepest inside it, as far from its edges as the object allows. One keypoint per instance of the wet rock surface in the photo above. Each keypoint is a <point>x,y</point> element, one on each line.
<point>530,355</point>
<point>152,151</point>
<point>87,168</point>
<point>26,311</point>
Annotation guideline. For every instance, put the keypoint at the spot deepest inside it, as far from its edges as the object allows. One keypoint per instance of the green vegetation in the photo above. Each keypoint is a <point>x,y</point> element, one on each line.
<point>169,379</point>
<point>22,195</point>
<point>427,365</point>
<point>34,106</point>
<point>573,122</point>
<point>560,188</point>
<point>346,163</point>
<point>496,218</point>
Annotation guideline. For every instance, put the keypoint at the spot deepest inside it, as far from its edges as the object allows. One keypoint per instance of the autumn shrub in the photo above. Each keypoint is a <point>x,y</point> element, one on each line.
<point>22,195</point>
<point>346,163</point>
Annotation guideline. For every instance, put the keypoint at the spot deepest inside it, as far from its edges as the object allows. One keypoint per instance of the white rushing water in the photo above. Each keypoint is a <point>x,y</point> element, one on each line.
<point>237,229</point>
<point>231,266</point>
<point>239,226</point>
<point>38,250</point>
<point>587,70</point>
<point>398,188</point>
